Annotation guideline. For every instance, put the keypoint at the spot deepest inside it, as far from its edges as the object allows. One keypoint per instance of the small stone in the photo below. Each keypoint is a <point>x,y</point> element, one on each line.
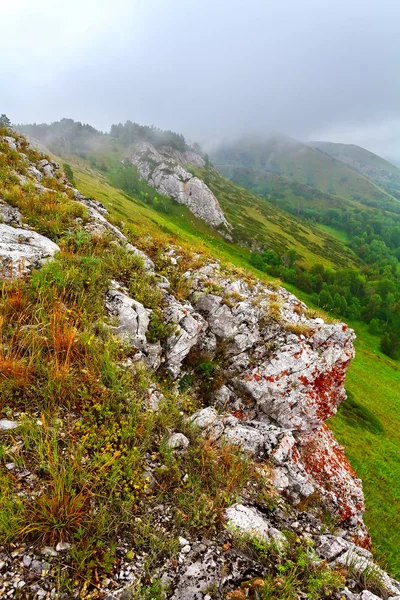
<point>37,566</point>
<point>48,551</point>
<point>185,549</point>
<point>177,440</point>
<point>6,425</point>
<point>10,466</point>
<point>27,561</point>
<point>62,546</point>
<point>183,541</point>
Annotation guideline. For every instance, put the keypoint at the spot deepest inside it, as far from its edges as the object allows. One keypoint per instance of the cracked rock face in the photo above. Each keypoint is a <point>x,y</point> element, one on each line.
<point>133,319</point>
<point>281,386</point>
<point>9,215</point>
<point>22,250</point>
<point>164,170</point>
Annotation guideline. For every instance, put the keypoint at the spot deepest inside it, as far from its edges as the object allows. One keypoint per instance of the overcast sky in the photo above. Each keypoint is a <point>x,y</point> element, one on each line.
<point>313,69</point>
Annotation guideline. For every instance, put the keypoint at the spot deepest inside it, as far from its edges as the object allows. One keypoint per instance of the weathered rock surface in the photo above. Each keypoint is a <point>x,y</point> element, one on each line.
<point>22,250</point>
<point>338,551</point>
<point>163,170</point>
<point>188,325</point>
<point>9,215</point>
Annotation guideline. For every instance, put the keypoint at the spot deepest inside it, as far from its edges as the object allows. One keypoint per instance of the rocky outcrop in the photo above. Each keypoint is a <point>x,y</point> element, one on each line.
<point>164,170</point>
<point>22,250</point>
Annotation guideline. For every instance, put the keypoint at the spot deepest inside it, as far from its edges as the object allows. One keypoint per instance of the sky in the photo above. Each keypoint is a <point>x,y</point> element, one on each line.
<point>210,69</point>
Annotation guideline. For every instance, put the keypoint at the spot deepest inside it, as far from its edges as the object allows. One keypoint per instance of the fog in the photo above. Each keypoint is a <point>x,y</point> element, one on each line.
<point>211,69</point>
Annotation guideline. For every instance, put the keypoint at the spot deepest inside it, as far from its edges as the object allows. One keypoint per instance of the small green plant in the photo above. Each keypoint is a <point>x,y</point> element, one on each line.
<point>159,330</point>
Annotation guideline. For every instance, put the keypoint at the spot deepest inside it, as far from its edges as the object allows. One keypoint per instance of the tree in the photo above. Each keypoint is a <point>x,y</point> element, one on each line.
<point>390,344</point>
<point>5,121</point>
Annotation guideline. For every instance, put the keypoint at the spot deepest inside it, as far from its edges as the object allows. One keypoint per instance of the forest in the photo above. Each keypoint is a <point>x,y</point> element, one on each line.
<point>369,292</point>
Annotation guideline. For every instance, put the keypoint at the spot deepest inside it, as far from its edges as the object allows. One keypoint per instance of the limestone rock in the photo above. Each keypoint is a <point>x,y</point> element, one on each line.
<point>164,171</point>
<point>247,520</point>
<point>7,425</point>
<point>132,318</point>
<point>148,263</point>
<point>9,215</point>
<point>188,326</point>
<point>22,250</point>
<point>177,441</point>
<point>11,142</point>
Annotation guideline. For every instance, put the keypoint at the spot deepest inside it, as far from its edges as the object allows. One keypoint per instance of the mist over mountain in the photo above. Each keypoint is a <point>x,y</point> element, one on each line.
<point>208,71</point>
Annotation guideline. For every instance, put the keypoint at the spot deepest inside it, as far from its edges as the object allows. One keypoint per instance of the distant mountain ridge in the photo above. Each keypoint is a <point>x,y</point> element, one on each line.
<point>380,170</point>
<point>298,162</point>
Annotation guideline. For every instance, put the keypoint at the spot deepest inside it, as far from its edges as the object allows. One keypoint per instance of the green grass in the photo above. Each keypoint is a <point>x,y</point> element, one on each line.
<point>373,379</point>
<point>365,162</point>
<point>340,235</point>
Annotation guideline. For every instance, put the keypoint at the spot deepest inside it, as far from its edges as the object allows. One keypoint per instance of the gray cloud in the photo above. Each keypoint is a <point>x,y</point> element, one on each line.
<point>209,68</point>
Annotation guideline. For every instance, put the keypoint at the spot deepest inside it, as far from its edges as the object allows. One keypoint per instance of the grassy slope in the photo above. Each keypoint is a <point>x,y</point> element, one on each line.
<point>372,379</point>
<point>362,160</point>
<point>301,163</point>
<point>257,223</point>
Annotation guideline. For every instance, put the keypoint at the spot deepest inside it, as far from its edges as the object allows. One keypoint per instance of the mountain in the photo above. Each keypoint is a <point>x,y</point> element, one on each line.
<point>256,161</point>
<point>379,170</point>
<point>164,412</point>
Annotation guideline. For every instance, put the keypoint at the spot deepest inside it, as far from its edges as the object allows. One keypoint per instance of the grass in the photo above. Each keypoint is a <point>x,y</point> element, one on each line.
<point>253,164</point>
<point>368,425</point>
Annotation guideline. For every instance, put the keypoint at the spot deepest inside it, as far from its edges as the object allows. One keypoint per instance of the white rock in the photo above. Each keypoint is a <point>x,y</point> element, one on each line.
<point>11,142</point>
<point>247,520</point>
<point>204,417</point>
<point>177,440</point>
<point>9,215</point>
<point>366,595</point>
<point>62,546</point>
<point>183,541</point>
<point>166,173</point>
<point>133,318</point>
<point>48,551</point>
<point>27,561</point>
<point>22,250</point>
<point>6,425</point>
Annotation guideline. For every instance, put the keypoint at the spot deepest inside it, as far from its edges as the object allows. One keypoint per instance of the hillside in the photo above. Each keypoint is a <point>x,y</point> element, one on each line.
<point>284,156</point>
<point>163,415</point>
<point>379,170</point>
<point>373,394</point>
<point>146,213</point>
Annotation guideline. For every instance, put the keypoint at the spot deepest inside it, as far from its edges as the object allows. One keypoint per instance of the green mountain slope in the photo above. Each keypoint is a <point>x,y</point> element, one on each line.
<point>284,156</point>
<point>381,171</point>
